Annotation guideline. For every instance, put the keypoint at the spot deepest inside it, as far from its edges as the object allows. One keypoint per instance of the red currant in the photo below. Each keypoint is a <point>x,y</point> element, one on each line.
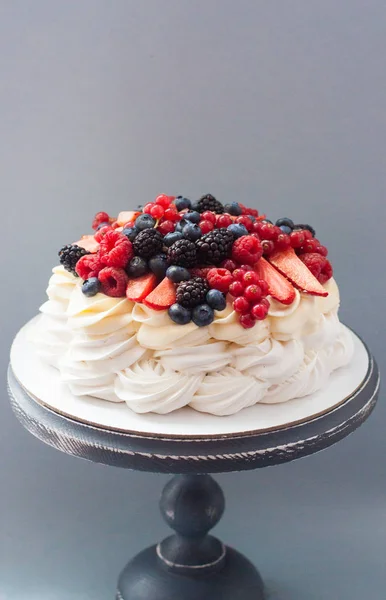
<point>283,242</point>
<point>147,208</point>
<point>310,245</point>
<point>253,293</point>
<point>307,234</point>
<point>238,274</point>
<point>166,227</point>
<point>252,211</point>
<point>236,289</point>
<point>260,311</point>
<point>250,277</point>
<point>157,211</point>
<point>268,247</point>
<point>223,221</point>
<point>321,250</point>
<point>241,305</point>
<point>263,285</point>
<point>297,238</point>
<point>247,321</point>
<point>208,215</point>
<point>163,200</point>
<point>267,231</point>
<point>171,214</point>
<point>206,226</point>
<point>246,221</point>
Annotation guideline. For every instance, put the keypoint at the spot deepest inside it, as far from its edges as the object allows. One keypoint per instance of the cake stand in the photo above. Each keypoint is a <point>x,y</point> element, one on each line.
<point>191,564</point>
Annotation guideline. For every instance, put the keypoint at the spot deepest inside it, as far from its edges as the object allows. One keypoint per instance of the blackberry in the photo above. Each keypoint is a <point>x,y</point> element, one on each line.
<point>147,243</point>
<point>193,292</point>
<point>209,202</point>
<point>69,256</point>
<point>182,253</point>
<point>215,246</point>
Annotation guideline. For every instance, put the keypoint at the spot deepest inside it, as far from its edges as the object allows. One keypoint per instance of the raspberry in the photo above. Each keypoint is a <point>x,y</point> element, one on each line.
<point>100,234</point>
<point>113,282</point>
<point>228,264</point>
<point>260,311</point>
<point>206,226</point>
<point>247,321</point>
<point>200,271</point>
<point>236,289</point>
<point>250,277</point>
<point>147,208</point>
<point>246,221</point>
<point>89,266</point>
<point>253,293</point>
<point>100,217</point>
<point>157,211</point>
<point>241,305</point>
<point>252,211</point>
<point>164,201</point>
<point>220,279</point>
<point>283,242</point>
<point>319,266</point>
<point>171,214</point>
<point>268,247</point>
<point>223,221</point>
<point>327,272</point>
<point>115,249</point>
<point>166,227</point>
<point>247,249</point>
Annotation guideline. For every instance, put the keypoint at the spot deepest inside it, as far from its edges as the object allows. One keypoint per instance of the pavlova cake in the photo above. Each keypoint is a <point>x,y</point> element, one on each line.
<point>197,304</point>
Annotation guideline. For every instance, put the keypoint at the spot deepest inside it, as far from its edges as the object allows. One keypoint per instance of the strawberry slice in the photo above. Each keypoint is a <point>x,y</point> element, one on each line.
<point>297,272</point>
<point>126,216</point>
<point>89,243</point>
<point>137,289</point>
<point>163,296</point>
<point>278,286</point>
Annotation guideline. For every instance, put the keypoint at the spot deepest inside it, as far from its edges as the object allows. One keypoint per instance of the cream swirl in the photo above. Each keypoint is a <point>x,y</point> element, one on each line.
<point>212,356</point>
<point>226,327</point>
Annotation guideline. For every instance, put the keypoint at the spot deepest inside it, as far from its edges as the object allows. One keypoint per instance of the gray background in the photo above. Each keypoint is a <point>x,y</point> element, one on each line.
<point>280,104</point>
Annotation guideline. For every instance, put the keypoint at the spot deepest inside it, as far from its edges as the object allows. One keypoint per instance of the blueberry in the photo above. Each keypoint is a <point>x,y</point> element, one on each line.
<point>179,314</point>
<point>137,267</point>
<point>130,232</point>
<point>285,221</point>
<point>102,225</point>
<point>91,287</point>
<point>180,225</point>
<point>233,209</point>
<point>181,203</point>
<point>192,216</point>
<point>191,231</point>
<point>144,221</point>
<point>216,299</point>
<point>158,264</point>
<point>286,229</point>
<point>177,274</point>
<point>170,238</point>
<point>237,229</point>
<point>202,315</point>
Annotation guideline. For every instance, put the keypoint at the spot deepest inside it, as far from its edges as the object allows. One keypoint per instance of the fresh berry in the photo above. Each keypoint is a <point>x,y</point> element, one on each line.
<point>307,227</point>
<point>278,286</point>
<point>208,215</point>
<point>130,232</point>
<point>263,285</point>
<point>250,278</point>
<point>266,231</point>
<point>202,315</point>
<point>247,321</point>
<point>177,274</point>
<point>220,279</point>
<point>162,297</point>
<point>297,238</point>
<point>182,253</point>
<point>179,314</point>
<point>268,247</point>
<point>260,311</point>
<point>88,266</point>
<point>115,250</point>
<point>252,212</point>
<point>147,208</point>
<point>171,238</point>
<point>238,274</point>
<point>163,200</point>
<point>103,224</point>
<point>157,211</point>
<point>137,289</point>
<point>216,300</point>
<point>285,222</point>
<point>113,281</point>
<point>247,249</point>
<point>200,272</point>
<point>148,243</point>
<point>246,221</point>
<point>215,246</point>
<point>238,230</point>
<point>70,255</point>
<point>100,233</point>
<point>180,225</point>
<point>285,229</point>
<point>236,289</point>
<point>266,302</point>
<point>319,266</point>
<point>253,293</point>
<point>191,231</point>
<point>181,203</point>
<point>283,242</point>
<point>193,216</point>
<point>206,226</point>
<point>171,214</point>
<point>241,305</point>
<point>100,217</point>
<point>321,250</point>
<point>223,221</point>
<point>297,272</point>
<point>228,264</point>
<point>158,264</point>
<point>193,292</point>
<point>127,216</point>
<point>137,267</point>
<point>166,227</point>
<point>91,287</point>
<point>144,222</point>
<point>209,202</point>
<point>233,209</point>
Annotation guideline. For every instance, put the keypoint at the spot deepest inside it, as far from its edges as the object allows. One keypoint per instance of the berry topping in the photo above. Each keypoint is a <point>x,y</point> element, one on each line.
<point>234,209</point>
<point>191,231</point>
<point>100,217</point>
<point>170,238</point>
<point>260,311</point>
<point>206,226</point>
<point>88,266</point>
<point>91,287</point>
<point>319,266</point>
<point>193,292</point>
<point>236,288</point>
<point>297,272</point>
<point>70,255</point>
<point>181,203</point>
<point>219,279</point>
<point>238,230</point>
<point>268,247</point>
<point>130,232</point>
<point>193,216</point>
<point>209,202</point>
<point>278,286</point>
<point>179,314</point>
<point>215,246</point>
<point>216,299</point>
<point>147,243</point>
<point>228,264</point>
<point>100,233</point>
<point>163,200</point>
<point>158,264</point>
<point>113,281</point>
<point>202,315</point>
<point>138,289</point>
<point>223,221</point>
<point>210,216</point>
<point>157,211</point>
<point>246,221</point>
<point>250,278</point>
<point>241,305</point>
<point>127,216</point>
<point>182,253</point>
<point>285,222</point>
<point>247,321</point>
<point>297,238</point>
<point>253,293</point>
<point>177,274</point>
<point>162,297</point>
<point>283,242</point>
<point>89,243</point>
<point>137,267</point>
<point>247,249</point>
<point>307,227</point>
<point>172,214</point>
<point>115,249</point>
<point>145,221</point>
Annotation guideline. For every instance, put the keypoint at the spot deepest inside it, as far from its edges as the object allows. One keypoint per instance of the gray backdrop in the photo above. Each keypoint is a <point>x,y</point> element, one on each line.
<point>280,104</point>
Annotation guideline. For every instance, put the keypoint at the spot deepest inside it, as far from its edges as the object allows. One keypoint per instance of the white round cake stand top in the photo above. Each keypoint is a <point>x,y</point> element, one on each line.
<point>43,383</point>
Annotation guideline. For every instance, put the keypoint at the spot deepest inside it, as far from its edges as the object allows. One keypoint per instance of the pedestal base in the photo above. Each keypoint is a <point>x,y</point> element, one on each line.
<point>147,577</point>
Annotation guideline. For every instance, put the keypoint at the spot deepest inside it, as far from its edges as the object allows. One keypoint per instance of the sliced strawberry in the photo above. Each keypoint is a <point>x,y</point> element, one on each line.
<point>89,243</point>
<point>137,289</point>
<point>162,297</point>
<point>127,215</point>
<point>278,286</point>
<point>290,265</point>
